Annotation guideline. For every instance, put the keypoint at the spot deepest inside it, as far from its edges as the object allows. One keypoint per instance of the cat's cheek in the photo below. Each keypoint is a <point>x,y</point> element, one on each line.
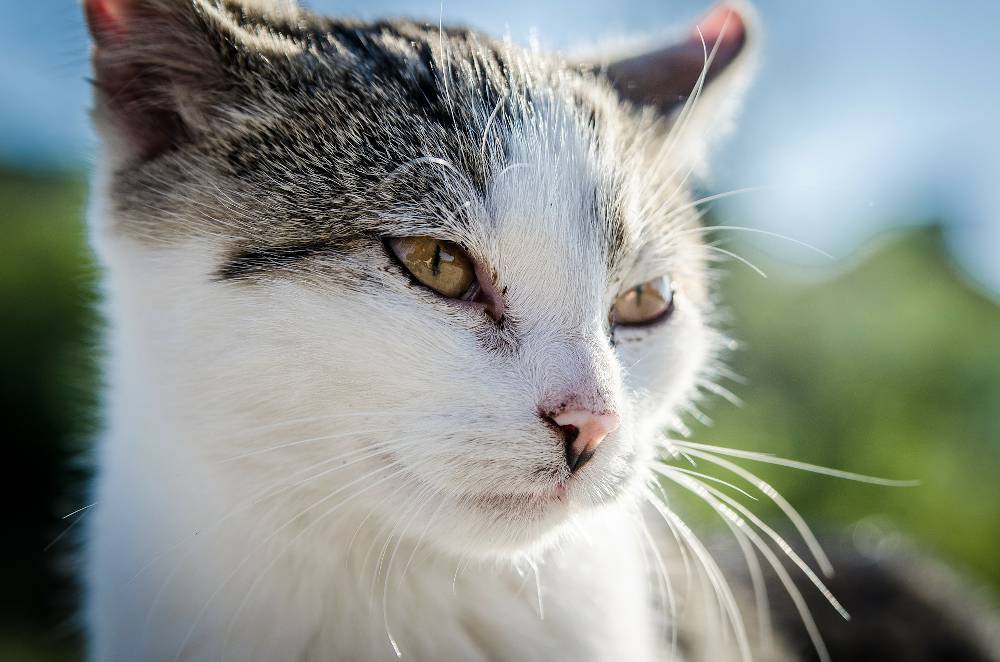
<point>662,362</point>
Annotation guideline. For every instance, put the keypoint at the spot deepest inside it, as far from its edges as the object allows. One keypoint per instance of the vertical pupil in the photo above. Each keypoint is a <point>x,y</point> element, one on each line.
<point>436,260</point>
<point>638,296</point>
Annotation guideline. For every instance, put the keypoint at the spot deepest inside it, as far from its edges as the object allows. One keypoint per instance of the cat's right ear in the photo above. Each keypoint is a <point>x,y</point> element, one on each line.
<point>165,70</point>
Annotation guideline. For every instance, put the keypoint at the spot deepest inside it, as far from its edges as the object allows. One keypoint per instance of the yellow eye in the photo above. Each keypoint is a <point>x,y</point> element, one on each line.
<point>440,265</point>
<point>644,304</point>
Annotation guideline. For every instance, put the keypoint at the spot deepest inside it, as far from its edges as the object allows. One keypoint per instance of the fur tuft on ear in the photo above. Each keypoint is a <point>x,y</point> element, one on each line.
<point>164,68</point>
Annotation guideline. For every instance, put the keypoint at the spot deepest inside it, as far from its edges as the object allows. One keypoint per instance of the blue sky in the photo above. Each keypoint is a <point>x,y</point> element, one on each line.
<point>864,115</point>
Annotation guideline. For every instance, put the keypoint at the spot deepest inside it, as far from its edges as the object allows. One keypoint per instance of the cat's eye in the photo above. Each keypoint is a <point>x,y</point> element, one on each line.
<point>644,304</point>
<point>441,265</point>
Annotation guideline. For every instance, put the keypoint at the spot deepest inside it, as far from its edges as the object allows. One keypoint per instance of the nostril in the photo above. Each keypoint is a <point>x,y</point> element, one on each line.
<point>582,432</point>
<point>575,456</point>
<point>570,433</point>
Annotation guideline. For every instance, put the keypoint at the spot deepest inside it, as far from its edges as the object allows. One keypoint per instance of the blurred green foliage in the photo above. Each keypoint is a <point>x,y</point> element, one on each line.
<point>47,392</point>
<point>889,367</point>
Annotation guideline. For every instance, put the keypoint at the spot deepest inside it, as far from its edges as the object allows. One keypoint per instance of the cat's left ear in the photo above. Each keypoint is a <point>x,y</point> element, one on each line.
<point>713,61</point>
<point>717,47</point>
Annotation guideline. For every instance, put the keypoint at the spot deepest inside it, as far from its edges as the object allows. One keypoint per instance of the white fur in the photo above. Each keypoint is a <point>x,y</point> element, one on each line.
<point>278,482</point>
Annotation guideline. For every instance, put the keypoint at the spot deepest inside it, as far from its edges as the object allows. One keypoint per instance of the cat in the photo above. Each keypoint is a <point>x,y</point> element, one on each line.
<point>397,317</point>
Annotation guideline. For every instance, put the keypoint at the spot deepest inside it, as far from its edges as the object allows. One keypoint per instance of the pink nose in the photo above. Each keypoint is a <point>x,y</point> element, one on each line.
<point>583,431</point>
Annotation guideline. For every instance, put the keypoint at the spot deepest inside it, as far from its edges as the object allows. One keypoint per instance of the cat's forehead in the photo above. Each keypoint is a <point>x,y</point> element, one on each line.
<point>402,128</point>
<point>271,134</point>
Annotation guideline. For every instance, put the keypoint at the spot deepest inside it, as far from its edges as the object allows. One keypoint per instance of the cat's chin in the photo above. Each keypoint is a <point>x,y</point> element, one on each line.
<point>503,525</point>
<point>500,526</point>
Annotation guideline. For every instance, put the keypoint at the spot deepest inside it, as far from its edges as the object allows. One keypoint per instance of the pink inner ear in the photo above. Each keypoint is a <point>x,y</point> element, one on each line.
<point>133,96</point>
<point>106,19</point>
<point>723,25</point>
<point>665,78</point>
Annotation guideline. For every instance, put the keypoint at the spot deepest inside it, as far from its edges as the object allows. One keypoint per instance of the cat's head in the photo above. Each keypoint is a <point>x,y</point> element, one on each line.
<point>458,283</point>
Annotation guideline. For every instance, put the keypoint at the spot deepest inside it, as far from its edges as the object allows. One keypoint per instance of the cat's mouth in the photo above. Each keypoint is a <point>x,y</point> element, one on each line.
<point>561,494</point>
<point>508,502</point>
<point>512,514</point>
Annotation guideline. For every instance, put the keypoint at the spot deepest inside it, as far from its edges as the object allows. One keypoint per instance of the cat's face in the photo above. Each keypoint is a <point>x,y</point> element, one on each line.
<point>438,270</point>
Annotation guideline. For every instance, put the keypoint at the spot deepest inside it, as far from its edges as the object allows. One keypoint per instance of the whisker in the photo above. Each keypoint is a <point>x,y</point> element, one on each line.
<point>701,489</point>
<point>714,574</point>
<point>721,391</point>
<point>738,258</point>
<point>408,518</point>
<point>767,233</point>
<point>687,110</point>
<point>759,587</point>
<point>63,533</point>
<point>795,464</point>
<point>685,560</point>
<point>538,589</point>
<point>489,125</point>
<point>79,510</point>
<point>664,583</point>
<point>381,414</point>
<point>420,539</point>
<point>280,486</point>
<point>797,520</point>
<point>676,211</point>
<point>714,479</point>
<point>300,442</point>
<point>394,524</point>
<point>709,494</point>
<point>288,544</point>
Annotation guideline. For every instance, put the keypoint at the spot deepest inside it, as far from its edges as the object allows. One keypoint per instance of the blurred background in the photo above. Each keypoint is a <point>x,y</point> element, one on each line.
<point>871,134</point>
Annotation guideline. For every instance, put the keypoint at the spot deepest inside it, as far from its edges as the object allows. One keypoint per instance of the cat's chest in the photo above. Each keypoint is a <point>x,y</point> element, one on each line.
<point>492,621</point>
<point>586,600</point>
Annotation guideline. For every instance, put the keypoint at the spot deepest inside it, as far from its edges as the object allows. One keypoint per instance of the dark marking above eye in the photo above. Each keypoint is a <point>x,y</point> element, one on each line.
<point>259,260</point>
<point>254,262</point>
